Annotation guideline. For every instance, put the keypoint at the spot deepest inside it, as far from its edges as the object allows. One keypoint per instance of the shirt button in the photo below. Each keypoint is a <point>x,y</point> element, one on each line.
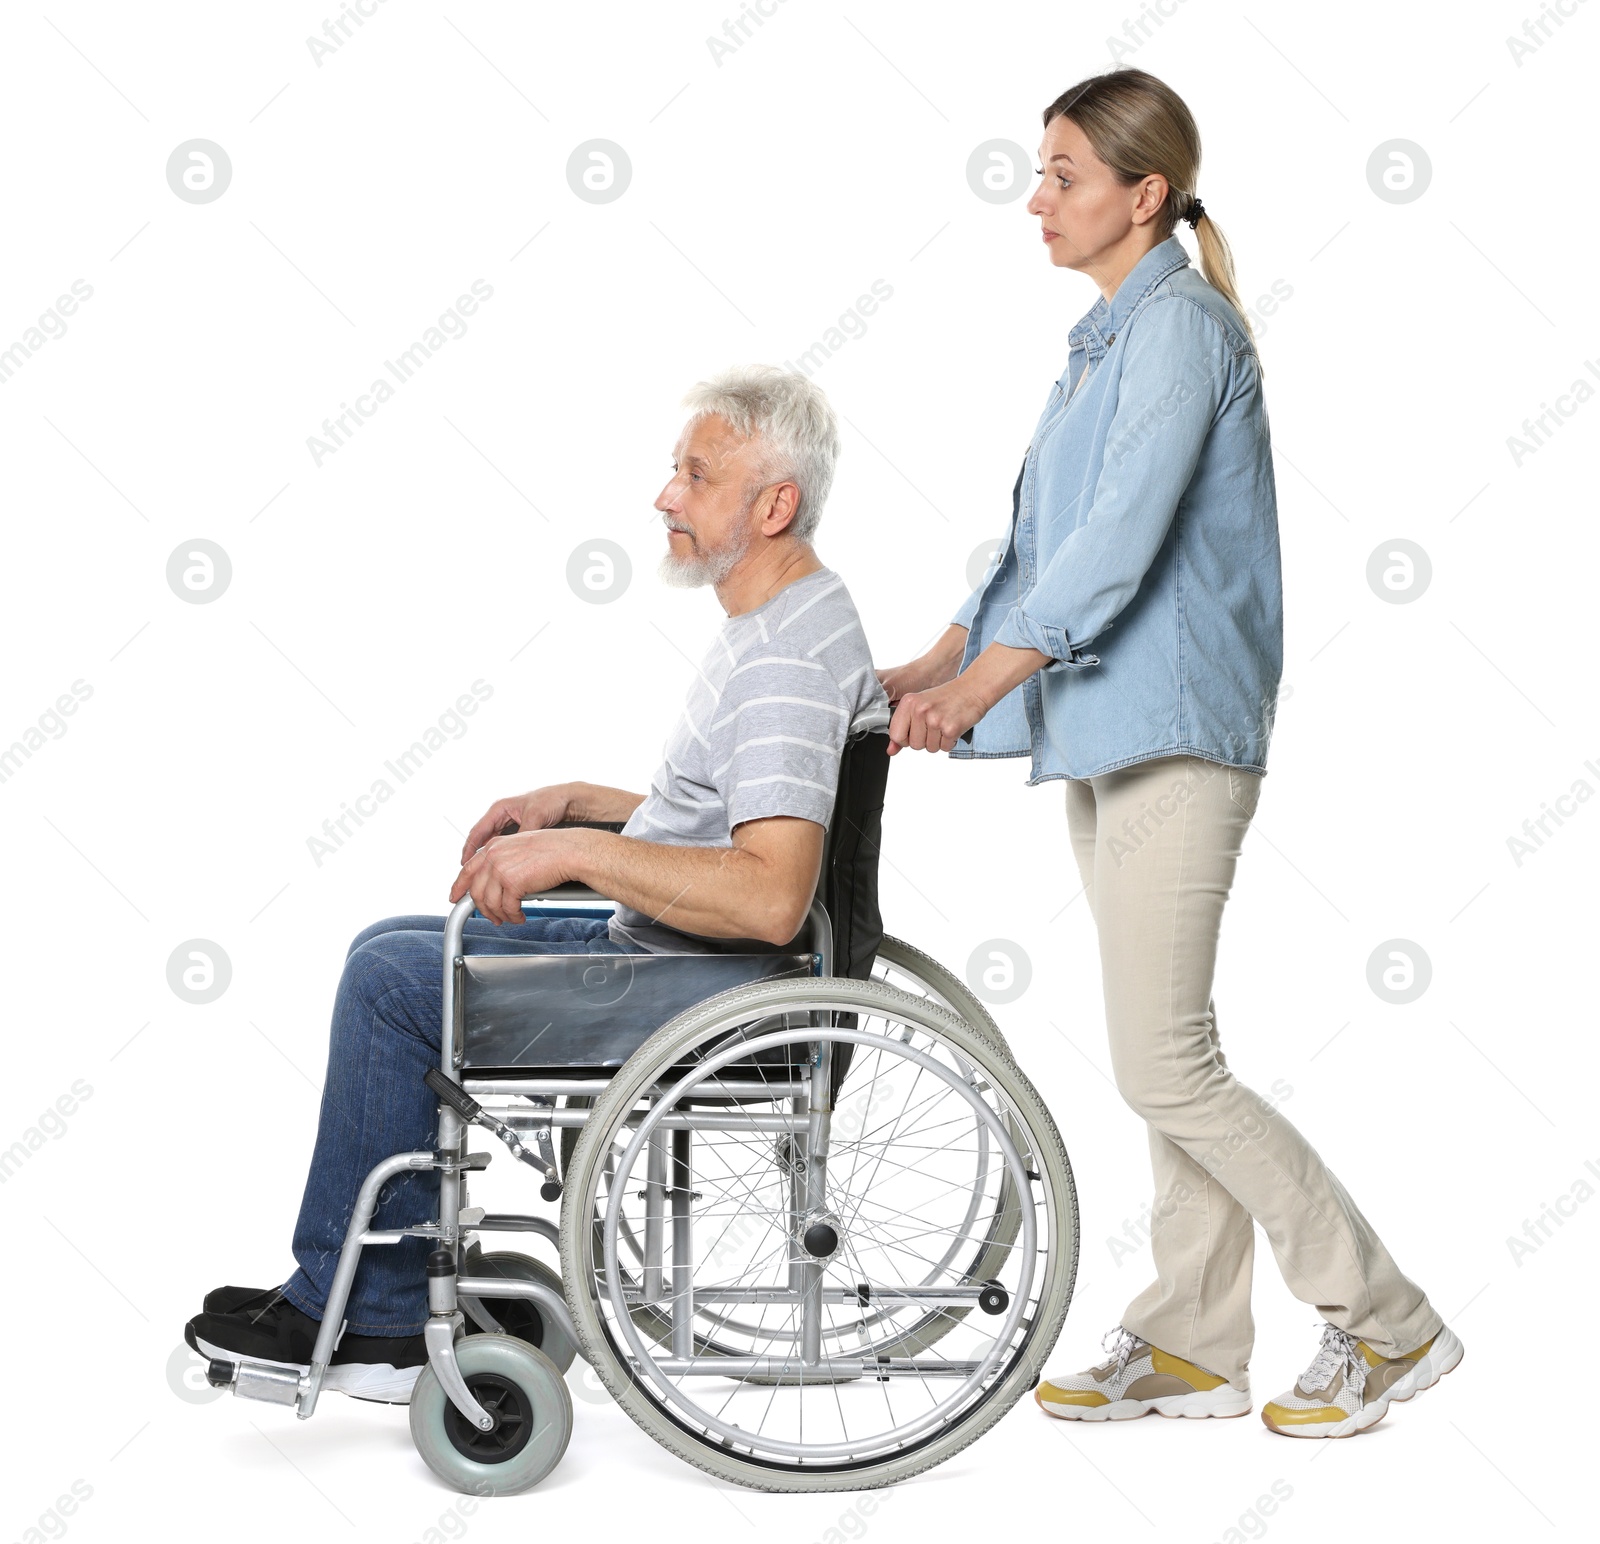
<point>1112,339</point>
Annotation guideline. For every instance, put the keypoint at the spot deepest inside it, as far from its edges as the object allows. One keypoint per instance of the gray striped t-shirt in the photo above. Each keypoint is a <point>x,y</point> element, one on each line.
<point>778,694</point>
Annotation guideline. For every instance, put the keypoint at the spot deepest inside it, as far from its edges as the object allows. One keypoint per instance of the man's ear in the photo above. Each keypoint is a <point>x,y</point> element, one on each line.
<point>780,513</point>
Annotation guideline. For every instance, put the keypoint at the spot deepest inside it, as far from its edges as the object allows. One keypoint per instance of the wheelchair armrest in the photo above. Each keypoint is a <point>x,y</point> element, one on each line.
<point>562,894</point>
<point>571,891</point>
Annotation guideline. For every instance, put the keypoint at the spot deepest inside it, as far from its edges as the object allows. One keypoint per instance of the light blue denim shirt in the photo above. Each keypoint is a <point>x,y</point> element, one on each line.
<point>1144,522</point>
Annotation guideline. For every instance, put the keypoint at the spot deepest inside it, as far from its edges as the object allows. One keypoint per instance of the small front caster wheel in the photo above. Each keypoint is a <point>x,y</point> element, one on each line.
<point>528,1397</point>
<point>519,1316</point>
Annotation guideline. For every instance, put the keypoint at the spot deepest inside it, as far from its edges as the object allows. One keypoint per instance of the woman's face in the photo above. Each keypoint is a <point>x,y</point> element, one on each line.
<point>1086,215</point>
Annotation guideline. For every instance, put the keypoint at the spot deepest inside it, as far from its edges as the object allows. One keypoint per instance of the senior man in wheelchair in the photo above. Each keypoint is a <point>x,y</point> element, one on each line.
<point>723,853</point>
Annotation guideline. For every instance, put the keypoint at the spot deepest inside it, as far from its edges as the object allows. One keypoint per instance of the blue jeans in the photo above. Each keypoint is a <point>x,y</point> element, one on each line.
<point>386,1022</point>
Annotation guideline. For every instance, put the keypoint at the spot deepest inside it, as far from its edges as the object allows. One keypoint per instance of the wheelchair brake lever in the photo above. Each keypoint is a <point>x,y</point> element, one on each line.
<point>468,1108</point>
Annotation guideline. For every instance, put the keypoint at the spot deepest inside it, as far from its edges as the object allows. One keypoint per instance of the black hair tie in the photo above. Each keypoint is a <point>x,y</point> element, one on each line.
<point>1195,213</point>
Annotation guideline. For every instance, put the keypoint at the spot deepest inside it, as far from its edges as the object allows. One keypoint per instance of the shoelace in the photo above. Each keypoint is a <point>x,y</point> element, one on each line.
<point>1122,1349</point>
<point>1338,1349</point>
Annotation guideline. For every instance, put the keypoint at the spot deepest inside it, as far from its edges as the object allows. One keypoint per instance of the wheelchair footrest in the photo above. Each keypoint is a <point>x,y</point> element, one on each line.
<point>255,1380</point>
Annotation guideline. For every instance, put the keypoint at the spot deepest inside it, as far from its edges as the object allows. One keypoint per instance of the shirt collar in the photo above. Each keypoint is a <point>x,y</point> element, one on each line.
<point>1103,321</point>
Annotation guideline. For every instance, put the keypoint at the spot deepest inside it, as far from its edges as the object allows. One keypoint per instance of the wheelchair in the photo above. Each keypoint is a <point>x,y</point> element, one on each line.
<point>817,1231</point>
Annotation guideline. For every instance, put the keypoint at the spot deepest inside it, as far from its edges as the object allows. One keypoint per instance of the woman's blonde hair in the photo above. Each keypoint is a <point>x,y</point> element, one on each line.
<point>1140,127</point>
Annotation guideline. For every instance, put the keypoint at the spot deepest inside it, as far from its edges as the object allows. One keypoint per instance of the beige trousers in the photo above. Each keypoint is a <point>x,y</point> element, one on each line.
<point>1156,844</point>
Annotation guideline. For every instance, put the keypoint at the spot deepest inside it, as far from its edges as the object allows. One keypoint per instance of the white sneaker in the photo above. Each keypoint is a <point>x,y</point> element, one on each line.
<point>1136,1379</point>
<point>1349,1386</point>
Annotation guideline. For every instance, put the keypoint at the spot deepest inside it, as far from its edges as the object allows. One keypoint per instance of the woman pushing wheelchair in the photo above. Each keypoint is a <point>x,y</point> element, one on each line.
<point>1144,524</point>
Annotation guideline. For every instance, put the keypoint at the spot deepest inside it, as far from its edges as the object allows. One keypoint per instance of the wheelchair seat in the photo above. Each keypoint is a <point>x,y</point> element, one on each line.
<point>584,1014</point>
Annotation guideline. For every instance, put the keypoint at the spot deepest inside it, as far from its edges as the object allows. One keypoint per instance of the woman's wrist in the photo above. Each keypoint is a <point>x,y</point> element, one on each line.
<point>1001,669</point>
<point>946,655</point>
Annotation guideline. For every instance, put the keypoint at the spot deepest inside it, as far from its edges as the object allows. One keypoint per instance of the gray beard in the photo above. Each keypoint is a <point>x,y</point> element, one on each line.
<point>701,568</point>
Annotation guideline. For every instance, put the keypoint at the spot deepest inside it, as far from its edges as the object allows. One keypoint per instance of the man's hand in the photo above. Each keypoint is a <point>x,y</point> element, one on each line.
<point>509,867</point>
<point>529,811</point>
<point>934,668</point>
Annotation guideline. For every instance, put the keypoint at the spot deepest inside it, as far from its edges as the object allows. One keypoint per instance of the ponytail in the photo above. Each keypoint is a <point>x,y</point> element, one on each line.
<point>1216,263</point>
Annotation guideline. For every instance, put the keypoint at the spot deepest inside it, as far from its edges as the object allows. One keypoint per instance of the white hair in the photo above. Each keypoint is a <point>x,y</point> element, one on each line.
<point>798,432</point>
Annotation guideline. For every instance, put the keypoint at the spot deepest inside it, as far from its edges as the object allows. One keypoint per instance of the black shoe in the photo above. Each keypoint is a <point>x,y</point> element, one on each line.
<point>233,1299</point>
<point>378,1367</point>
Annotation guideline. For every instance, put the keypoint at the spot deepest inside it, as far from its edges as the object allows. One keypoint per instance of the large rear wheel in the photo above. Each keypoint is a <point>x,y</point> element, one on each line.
<point>791,1263</point>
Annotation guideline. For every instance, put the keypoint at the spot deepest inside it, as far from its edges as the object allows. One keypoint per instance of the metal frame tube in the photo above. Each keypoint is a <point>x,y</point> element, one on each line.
<point>655,1194</point>
<point>819,1121</point>
<point>344,1273</point>
<point>792,1368</point>
<point>682,1247</point>
<point>544,1297</point>
<point>593,1087</point>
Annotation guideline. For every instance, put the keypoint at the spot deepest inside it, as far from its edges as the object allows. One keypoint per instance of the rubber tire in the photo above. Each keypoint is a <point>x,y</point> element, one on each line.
<point>957,995</point>
<point>546,1390</point>
<point>553,1340</point>
<point>665,1047</point>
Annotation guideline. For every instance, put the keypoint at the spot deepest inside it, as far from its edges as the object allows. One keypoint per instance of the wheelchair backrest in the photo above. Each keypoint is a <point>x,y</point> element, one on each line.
<point>848,887</point>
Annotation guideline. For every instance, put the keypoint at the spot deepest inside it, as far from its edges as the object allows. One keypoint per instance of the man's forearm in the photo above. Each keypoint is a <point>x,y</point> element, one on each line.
<point>720,892</point>
<point>592,801</point>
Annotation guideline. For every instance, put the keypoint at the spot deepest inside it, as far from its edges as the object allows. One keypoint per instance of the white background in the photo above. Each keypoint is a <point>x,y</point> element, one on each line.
<point>769,192</point>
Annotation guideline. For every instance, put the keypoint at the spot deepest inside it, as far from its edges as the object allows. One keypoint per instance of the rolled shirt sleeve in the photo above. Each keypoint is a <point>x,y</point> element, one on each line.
<point>1174,378</point>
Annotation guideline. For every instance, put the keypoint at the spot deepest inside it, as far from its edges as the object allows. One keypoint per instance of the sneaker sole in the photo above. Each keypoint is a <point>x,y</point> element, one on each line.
<point>1223,1402</point>
<point>1443,1356</point>
<point>377,1381</point>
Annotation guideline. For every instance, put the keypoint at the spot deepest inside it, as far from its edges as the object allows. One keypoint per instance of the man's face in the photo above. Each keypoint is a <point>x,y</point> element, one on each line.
<point>709,506</point>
